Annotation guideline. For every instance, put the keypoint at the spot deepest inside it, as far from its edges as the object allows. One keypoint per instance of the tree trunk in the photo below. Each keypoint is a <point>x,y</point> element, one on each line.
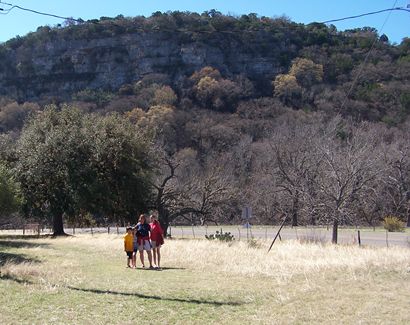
<point>163,219</point>
<point>58,227</point>
<point>408,219</point>
<point>313,220</point>
<point>295,208</point>
<point>164,226</point>
<point>334,233</point>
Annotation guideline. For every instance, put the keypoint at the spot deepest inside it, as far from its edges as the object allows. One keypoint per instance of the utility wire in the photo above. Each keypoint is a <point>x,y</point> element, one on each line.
<point>366,14</point>
<point>12,6</point>
<point>7,11</point>
<point>366,58</point>
<point>390,10</point>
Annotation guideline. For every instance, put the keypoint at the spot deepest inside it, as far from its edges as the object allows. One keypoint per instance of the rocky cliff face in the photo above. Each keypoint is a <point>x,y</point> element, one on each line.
<point>61,67</point>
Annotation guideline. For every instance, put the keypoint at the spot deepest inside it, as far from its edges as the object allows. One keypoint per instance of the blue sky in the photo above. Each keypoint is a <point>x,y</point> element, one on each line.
<point>18,22</point>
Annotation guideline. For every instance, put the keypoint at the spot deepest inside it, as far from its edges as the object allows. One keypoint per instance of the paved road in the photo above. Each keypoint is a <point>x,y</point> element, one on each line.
<point>345,236</point>
<point>323,235</point>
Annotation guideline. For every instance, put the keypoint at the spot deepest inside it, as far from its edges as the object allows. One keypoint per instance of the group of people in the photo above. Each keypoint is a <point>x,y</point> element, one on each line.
<point>144,237</point>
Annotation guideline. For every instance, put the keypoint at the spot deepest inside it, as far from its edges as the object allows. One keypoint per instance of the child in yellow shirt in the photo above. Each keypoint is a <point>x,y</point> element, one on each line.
<point>129,245</point>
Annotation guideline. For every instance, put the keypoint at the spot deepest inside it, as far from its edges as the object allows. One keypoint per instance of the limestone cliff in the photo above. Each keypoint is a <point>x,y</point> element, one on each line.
<point>60,67</point>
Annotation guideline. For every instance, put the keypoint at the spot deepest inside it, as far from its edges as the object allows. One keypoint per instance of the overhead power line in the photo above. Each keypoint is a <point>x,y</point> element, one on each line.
<point>7,11</point>
<point>363,64</point>
<point>366,14</point>
<point>12,6</point>
<point>390,10</point>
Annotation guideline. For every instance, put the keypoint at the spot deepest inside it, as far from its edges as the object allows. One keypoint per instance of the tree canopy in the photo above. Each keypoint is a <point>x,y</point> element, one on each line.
<point>69,163</point>
<point>9,196</point>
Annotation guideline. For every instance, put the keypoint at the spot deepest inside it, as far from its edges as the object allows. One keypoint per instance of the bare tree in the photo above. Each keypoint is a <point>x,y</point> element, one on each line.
<point>348,165</point>
<point>397,180</point>
<point>187,189</point>
<point>291,148</point>
<point>211,193</point>
<point>280,170</point>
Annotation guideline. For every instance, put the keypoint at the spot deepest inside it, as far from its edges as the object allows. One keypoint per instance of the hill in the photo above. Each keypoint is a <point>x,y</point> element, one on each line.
<point>102,60</point>
<point>293,120</point>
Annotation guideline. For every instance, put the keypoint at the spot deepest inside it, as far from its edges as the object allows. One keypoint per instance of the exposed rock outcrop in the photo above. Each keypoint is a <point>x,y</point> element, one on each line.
<point>61,67</point>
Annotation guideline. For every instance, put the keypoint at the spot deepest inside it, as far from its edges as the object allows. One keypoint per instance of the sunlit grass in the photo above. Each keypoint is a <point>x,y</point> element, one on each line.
<point>83,280</point>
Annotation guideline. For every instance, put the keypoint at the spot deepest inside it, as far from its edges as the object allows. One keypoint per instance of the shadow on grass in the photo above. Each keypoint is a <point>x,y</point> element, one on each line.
<point>19,244</point>
<point>139,295</point>
<point>11,258</point>
<point>15,259</point>
<point>15,279</point>
<point>26,236</point>
<point>162,269</point>
<point>165,268</point>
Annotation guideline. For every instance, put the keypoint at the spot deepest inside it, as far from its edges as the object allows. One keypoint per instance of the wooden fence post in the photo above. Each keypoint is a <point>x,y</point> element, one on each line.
<point>387,238</point>
<point>278,234</point>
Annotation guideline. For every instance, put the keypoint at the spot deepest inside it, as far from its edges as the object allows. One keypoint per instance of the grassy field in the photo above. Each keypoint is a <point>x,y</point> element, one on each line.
<point>83,280</point>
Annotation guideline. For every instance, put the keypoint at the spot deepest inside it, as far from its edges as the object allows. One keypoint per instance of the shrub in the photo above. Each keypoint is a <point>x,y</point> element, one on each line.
<point>226,237</point>
<point>393,224</point>
<point>312,239</point>
<point>253,243</point>
<point>82,220</point>
<point>100,97</point>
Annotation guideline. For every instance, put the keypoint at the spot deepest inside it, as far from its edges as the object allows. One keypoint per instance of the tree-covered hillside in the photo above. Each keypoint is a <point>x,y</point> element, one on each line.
<point>294,120</point>
<point>103,64</point>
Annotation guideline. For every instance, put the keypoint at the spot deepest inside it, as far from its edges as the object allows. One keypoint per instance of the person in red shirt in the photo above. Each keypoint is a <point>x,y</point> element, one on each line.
<point>157,239</point>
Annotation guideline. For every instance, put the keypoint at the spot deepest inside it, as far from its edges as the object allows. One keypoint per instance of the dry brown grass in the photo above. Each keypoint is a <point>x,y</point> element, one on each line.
<point>23,271</point>
<point>285,260</point>
<point>207,282</point>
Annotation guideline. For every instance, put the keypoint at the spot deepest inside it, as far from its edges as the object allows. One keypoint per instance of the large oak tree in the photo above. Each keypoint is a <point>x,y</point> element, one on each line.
<point>69,163</point>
